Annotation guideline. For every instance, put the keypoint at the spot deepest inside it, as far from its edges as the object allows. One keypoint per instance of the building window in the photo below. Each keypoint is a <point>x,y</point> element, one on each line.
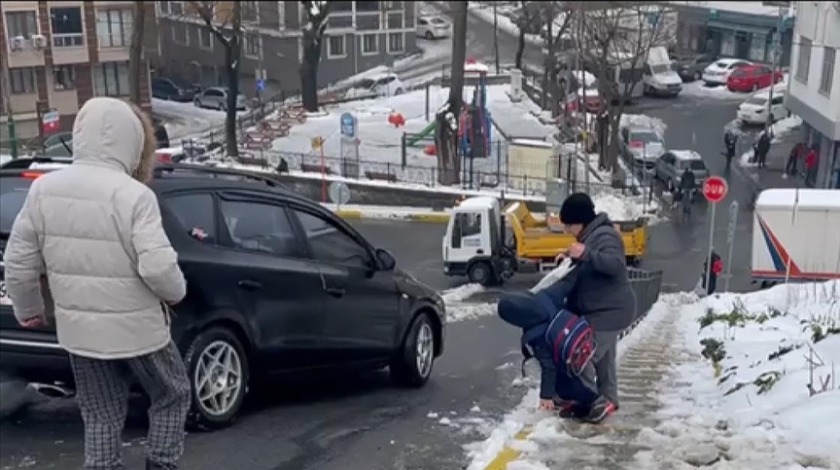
<point>335,47</point>
<point>251,45</point>
<point>827,76</point>
<point>370,44</point>
<point>21,23</point>
<point>23,80</point>
<point>803,63</point>
<point>205,38</point>
<point>281,15</point>
<point>114,27</point>
<point>67,30</point>
<point>64,77</point>
<point>250,12</point>
<point>727,44</point>
<point>396,43</point>
<point>171,8</point>
<point>367,6</point>
<point>110,79</point>
<point>179,34</point>
<point>758,47</point>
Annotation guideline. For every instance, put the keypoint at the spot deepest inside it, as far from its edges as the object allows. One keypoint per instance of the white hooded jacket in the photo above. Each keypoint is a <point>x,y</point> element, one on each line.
<point>96,233</point>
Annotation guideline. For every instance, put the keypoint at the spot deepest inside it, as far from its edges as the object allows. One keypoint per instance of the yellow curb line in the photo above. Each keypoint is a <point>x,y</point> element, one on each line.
<point>351,214</point>
<point>508,454</point>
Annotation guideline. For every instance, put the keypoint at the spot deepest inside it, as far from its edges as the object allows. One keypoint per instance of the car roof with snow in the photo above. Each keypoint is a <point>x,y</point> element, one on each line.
<point>727,62</point>
<point>686,155</point>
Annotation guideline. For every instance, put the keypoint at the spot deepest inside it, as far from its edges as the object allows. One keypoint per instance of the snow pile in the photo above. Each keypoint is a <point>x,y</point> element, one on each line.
<point>623,208</point>
<point>643,120</point>
<point>764,392</point>
<point>698,89</point>
<point>781,130</point>
<point>484,12</point>
<point>185,120</point>
<point>458,306</point>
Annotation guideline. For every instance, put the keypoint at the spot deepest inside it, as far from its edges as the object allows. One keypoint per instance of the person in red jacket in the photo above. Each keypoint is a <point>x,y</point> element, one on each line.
<point>811,162</point>
<point>717,269</point>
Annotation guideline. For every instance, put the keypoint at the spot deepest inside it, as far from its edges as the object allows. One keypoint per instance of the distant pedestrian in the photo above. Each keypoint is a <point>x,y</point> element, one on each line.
<point>717,269</point>
<point>91,236</point>
<point>811,165</point>
<point>730,142</point>
<point>762,147</point>
<point>795,154</point>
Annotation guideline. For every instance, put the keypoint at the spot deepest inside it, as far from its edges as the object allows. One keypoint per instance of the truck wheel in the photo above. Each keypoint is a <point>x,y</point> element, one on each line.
<point>479,273</point>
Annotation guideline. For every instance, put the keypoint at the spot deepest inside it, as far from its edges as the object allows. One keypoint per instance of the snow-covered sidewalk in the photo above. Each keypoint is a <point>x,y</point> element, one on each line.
<point>735,381</point>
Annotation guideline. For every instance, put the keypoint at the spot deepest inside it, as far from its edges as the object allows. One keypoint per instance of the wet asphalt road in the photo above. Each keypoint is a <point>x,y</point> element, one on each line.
<point>362,423</point>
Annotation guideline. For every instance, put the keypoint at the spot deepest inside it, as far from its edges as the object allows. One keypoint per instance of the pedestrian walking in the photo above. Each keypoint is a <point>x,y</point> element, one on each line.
<point>730,142</point>
<point>91,235</point>
<point>795,154</point>
<point>762,147</point>
<point>811,165</point>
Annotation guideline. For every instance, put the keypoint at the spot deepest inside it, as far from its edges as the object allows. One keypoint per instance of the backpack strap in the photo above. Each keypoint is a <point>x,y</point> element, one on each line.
<point>530,335</point>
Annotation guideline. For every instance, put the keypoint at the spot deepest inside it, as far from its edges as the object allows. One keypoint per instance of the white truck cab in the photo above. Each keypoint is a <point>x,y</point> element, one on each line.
<point>472,245</point>
<point>659,78</point>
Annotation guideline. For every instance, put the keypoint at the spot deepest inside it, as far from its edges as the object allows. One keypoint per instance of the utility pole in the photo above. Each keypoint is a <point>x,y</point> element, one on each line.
<point>7,99</point>
<point>582,70</point>
<point>777,44</point>
<point>496,37</point>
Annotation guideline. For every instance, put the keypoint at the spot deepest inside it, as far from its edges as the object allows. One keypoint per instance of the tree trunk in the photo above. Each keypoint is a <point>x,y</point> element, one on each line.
<point>446,139</point>
<point>309,74</point>
<point>233,55</point>
<point>520,49</point>
<point>136,59</point>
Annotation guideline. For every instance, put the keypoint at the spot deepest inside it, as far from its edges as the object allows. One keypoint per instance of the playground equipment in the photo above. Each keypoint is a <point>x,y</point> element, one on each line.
<point>474,128</point>
<point>429,129</point>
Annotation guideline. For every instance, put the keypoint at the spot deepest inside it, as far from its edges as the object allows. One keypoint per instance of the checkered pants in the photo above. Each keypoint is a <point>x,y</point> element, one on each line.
<point>102,387</point>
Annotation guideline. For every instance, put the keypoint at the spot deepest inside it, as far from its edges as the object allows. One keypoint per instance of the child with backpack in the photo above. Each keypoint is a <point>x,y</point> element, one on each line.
<point>562,342</point>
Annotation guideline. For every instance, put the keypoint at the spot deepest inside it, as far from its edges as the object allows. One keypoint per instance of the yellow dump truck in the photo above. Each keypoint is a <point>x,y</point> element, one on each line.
<point>489,246</point>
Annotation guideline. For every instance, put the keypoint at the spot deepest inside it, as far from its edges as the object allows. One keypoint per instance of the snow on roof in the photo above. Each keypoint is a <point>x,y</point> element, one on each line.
<point>686,154</point>
<point>476,67</point>
<point>482,202</point>
<point>750,8</point>
<point>807,198</point>
<point>532,143</point>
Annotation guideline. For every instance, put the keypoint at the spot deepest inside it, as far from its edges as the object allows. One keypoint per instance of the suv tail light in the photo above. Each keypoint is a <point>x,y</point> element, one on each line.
<point>31,175</point>
<point>164,157</point>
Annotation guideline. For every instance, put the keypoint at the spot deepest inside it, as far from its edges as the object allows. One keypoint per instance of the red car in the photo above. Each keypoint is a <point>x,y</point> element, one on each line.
<point>752,78</point>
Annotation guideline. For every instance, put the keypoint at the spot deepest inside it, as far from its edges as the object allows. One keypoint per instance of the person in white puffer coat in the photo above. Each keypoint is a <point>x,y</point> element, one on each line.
<point>93,233</point>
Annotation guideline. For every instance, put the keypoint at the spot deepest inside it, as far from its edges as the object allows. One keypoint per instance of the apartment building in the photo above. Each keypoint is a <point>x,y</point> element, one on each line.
<point>59,54</point>
<point>359,36</point>
<point>814,88</point>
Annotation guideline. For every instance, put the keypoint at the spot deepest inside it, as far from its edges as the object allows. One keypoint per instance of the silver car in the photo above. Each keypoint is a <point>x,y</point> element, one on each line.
<point>671,165</point>
<point>641,146</point>
<point>216,98</point>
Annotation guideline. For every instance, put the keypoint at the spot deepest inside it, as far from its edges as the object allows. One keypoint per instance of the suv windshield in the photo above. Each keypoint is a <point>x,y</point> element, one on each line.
<point>660,68</point>
<point>12,194</point>
<point>696,164</point>
<point>644,136</point>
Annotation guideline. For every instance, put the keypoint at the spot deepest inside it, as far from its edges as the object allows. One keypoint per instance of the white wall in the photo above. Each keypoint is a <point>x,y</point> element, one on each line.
<point>819,22</point>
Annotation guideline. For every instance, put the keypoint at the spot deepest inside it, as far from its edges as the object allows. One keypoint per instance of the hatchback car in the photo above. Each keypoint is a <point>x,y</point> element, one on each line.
<point>433,27</point>
<point>718,73</point>
<point>690,68</point>
<point>754,109</point>
<point>173,89</point>
<point>753,78</point>
<point>671,165</point>
<point>641,146</point>
<point>388,84</point>
<point>276,284</point>
<point>217,98</point>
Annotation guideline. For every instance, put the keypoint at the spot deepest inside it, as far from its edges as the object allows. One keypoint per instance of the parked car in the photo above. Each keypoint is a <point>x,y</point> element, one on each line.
<point>641,146</point>
<point>173,89</point>
<point>433,27</point>
<point>217,98</point>
<point>753,78</point>
<point>671,165</point>
<point>56,138</point>
<point>690,67</point>
<point>387,84</point>
<point>754,109</point>
<point>718,72</point>
<point>276,284</point>
<point>583,91</point>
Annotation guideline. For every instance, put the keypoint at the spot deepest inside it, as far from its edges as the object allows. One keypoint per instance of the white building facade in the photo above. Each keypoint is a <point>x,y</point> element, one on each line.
<point>814,87</point>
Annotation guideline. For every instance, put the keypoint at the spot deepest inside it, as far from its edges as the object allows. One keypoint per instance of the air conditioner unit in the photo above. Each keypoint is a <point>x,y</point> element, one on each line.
<point>17,43</point>
<point>39,42</point>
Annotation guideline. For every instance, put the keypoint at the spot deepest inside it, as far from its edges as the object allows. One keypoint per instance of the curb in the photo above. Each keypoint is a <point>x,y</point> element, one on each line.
<point>428,217</point>
<point>509,454</point>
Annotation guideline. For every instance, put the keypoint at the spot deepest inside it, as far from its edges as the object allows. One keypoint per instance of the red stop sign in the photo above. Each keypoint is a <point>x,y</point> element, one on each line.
<point>715,189</point>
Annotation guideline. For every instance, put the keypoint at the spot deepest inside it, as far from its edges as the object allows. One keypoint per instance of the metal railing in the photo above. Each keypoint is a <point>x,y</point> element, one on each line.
<point>646,286</point>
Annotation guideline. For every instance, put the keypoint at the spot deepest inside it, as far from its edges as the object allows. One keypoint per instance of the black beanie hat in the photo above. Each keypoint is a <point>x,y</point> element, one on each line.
<point>578,208</point>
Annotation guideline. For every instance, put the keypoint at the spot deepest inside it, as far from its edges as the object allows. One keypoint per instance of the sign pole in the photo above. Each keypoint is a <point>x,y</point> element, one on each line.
<point>733,222</point>
<point>714,189</point>
<point>323,175</point>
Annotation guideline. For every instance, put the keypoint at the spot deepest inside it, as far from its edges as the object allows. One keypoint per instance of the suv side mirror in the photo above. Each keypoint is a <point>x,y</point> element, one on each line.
<point>385,259</point>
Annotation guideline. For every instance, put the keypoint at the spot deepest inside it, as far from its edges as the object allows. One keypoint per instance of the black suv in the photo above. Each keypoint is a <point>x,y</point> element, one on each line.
<point>276,283</point>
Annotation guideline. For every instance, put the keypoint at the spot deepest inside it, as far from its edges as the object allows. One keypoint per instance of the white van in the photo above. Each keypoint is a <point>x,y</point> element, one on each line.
<point>795,236</point>
<point>754,109</point>
<point>659,77</point>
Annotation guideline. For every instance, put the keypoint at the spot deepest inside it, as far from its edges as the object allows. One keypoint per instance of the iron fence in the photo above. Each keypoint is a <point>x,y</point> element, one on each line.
<point>646,286</point>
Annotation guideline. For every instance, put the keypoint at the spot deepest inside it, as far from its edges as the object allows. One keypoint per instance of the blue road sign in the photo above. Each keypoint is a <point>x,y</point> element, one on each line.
<point>260,85</point>
<point>348,125</point>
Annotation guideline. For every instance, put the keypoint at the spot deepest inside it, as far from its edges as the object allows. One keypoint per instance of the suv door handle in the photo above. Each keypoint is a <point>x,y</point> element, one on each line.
<point>249,284</point>
<point>335,291</point>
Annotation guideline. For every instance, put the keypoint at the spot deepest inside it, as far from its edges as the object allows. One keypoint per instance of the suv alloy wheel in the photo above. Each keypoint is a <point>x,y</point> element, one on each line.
<point>412,364</point>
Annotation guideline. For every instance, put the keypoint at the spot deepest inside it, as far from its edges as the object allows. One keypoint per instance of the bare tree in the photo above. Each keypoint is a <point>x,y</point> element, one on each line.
<point>224,19</point>
<point>616,43</point>
<point>527,22</point>
<point>136,59</point>
<point>558,19</point>
<point>447,117</point>
<point>315,15</point>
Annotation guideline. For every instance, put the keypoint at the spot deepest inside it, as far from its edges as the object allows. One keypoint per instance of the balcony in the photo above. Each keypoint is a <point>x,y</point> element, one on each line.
<point>69,49</point>
<point>26,52</point>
